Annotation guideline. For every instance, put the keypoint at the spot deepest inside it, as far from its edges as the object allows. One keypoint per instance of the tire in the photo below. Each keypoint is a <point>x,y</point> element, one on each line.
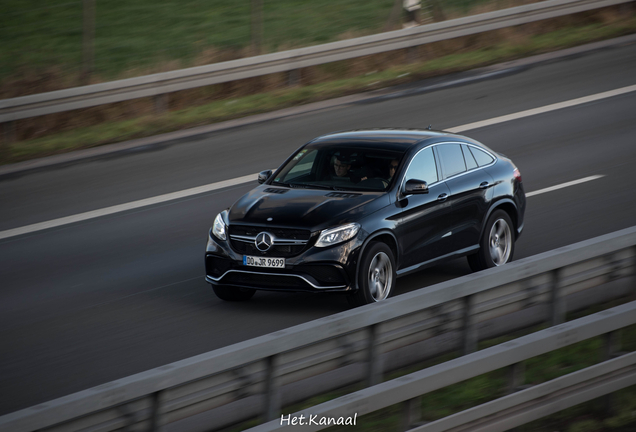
<point>228,293</point>
<point>376,277</point>
<point>497,245</point>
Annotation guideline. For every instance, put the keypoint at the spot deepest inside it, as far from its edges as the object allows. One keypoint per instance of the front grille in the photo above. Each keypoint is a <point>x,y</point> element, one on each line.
<point>242,240</point>
<point>280,233</point>
<point>282,251</point>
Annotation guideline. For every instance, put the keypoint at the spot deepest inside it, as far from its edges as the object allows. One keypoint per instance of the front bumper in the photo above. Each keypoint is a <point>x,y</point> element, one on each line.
<point>329,269</point>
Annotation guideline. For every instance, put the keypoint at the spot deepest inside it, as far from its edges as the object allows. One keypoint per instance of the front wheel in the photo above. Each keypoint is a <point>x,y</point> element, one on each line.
<point>497,244</point>
<point>228,293</point>
<point>376,277</point>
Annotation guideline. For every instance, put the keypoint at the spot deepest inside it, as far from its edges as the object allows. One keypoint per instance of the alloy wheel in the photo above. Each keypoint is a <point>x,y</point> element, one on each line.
<point>380,277</point>
<point>500,242</point>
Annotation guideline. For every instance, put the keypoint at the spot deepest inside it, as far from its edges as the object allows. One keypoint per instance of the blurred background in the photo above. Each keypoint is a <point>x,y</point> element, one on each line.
<point>50,45</point>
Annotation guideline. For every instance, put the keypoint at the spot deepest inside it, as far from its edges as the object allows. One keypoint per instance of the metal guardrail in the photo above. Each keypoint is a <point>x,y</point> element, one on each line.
<point>530,404</point>
<point>258,376</point>
<point>167,82</point>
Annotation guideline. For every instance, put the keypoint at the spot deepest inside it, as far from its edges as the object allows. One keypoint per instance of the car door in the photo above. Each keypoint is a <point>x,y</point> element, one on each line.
<point>425,218</point>
<point>470,193</point>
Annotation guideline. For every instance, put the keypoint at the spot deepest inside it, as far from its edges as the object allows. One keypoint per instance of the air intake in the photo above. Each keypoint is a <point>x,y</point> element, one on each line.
<point>342,195</point>
<point>276,191</point>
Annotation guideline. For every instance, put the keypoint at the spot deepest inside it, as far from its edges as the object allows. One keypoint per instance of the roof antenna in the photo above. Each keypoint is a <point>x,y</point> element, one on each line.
<point>430,127</point>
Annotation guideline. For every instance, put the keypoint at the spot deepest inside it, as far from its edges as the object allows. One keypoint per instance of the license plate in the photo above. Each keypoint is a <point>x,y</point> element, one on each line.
<point>263,262</point>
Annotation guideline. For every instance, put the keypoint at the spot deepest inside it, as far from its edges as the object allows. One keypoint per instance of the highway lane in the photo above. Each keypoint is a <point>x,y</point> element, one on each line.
<point>94,301</point>
<point>146,172</point>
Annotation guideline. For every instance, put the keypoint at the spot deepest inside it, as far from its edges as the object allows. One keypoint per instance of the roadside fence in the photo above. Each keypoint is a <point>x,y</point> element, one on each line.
<point>159,85</point>
<point>258,377</point>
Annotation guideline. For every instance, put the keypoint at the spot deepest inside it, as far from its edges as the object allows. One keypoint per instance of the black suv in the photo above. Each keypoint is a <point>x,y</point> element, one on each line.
<point>352,211</point>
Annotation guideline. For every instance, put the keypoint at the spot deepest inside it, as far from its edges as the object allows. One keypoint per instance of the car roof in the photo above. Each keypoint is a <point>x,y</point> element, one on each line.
<point>398,139</point>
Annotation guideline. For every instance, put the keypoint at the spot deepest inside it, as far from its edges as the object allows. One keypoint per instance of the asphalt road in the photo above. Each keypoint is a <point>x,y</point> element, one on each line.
<point>94,301</point>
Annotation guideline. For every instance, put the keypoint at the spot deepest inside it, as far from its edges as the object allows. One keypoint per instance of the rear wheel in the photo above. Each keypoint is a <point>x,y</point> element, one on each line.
<point>228,293</point>
<point>497,244</point>
<point>376,277</point>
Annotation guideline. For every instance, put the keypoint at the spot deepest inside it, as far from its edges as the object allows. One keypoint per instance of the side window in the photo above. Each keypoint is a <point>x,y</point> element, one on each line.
<point>423,167</point>
<point>452,159</point>
<point>468,156</point>
<point>481,157</point>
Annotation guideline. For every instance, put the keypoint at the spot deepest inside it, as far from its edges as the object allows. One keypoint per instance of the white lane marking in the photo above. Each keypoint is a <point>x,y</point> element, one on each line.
<point>544,109</point>
<point>124,207</point>
<point>564,185</point>
<point>222,184</point>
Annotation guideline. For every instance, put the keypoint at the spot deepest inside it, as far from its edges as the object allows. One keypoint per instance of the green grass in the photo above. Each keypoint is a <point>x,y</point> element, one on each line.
<point>135,38</point>
<point>220,110</point>
<point>147,33</point>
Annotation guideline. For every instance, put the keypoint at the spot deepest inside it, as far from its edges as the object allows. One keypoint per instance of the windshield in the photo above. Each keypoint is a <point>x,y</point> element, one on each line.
<point>340,167</point>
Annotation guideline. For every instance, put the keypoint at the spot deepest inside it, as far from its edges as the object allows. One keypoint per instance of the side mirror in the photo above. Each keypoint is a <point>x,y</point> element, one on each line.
<point>263,176</point>
<point>414,187</point>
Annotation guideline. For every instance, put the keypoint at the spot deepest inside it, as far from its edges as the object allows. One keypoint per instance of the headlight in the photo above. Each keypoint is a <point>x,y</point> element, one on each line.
<point>337,235</point>
<point>219,228</point>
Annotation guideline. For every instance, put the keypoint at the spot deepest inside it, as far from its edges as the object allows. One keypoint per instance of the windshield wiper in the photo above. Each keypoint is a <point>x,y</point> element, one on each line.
<point>275,183</point>
<point>309,185</point>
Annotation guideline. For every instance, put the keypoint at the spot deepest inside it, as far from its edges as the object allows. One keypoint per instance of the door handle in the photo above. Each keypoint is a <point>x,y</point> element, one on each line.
<point>442,197</point>
<point>484,185</point>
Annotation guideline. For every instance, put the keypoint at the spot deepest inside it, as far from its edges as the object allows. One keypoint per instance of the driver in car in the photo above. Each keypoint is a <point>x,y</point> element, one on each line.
<point>342,169</point>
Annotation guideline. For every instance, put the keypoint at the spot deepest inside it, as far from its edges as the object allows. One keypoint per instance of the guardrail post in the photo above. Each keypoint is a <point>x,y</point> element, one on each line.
<point>634,269</point>
<point>293,77</point>
<point>412,412</point>
<point>516,376</point>
<point>611,344</point>
<point>161,103</point>
<point>272,388</point>
<point>557,300</point>
<point>8,132</point>
<point>374,368</point>
<point>157,419</point>
<point>8,137</point>
<point>614,265</point>
<point>469,330</point>
<point>611,348</point>
<point>412,54</point>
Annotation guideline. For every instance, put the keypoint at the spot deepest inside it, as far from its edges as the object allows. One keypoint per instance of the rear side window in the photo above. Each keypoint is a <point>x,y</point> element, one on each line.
<point>452,159</point>
<point>423,167</point>
<point>468,156</point>
<point>481,157</point>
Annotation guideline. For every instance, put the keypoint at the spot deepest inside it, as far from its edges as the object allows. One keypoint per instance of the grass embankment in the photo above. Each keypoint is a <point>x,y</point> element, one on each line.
<point>586,417</point>
<point>64,132</point>
<point>144,36</point>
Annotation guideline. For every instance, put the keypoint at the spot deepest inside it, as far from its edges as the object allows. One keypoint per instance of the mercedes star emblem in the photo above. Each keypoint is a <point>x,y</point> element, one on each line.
<point>264,241</point>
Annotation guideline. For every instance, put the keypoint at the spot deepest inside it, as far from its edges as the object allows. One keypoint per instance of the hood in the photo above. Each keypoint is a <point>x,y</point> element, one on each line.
<point>312,209</point>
